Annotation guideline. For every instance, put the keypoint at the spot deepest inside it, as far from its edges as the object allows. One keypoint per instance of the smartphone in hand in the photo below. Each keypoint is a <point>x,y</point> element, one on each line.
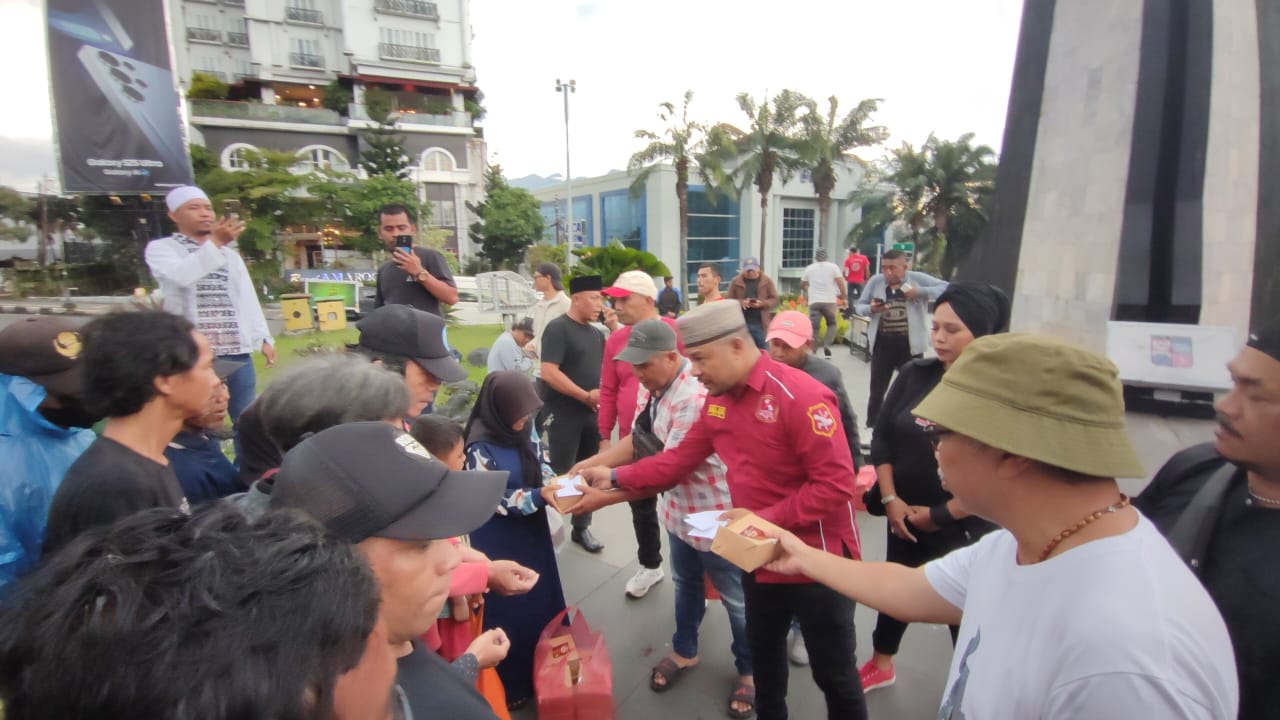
<point>231,208</point>
<point>404,242</point>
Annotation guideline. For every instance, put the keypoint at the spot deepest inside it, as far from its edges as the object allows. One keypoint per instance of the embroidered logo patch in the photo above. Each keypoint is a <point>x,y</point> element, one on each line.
<point>411,446</point>
<point>767,410</point>
<point>716,411</point>
<point>823,422</point>
<point>67,344</point>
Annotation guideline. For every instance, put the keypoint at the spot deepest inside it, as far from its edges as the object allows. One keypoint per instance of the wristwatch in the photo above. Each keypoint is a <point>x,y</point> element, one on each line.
<point>421,275</point>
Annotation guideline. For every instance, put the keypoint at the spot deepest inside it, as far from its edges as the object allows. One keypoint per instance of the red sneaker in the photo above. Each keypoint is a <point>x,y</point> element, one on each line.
<point>874,678</point>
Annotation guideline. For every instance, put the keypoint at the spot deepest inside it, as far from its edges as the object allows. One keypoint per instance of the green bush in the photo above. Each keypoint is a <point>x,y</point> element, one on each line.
<point>437,105</point>
<point>337,97</point>
<point>614,259</point>
<point>206,87</point>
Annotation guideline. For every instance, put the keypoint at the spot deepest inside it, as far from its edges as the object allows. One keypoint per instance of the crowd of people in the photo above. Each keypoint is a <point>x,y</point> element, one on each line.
<point>363,557</point>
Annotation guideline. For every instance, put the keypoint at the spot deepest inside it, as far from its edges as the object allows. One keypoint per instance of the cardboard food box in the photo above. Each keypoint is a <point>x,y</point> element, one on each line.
<point>744,542</point>
<point>565,503</point>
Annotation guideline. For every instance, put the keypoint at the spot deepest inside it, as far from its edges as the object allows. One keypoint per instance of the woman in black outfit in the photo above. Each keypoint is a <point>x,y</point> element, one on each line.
<point>925,523</point>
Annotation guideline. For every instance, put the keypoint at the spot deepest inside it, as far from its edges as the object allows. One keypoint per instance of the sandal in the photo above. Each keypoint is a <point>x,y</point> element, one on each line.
<point>670,673</point>
<point>742,693</point>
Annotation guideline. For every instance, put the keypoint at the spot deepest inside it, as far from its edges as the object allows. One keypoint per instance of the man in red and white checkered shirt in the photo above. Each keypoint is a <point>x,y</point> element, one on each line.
<point>668,403</point>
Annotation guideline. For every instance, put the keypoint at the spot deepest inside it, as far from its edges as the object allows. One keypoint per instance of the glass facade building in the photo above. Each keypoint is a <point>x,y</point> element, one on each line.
<point>622,218</point>
<point>714,235</point>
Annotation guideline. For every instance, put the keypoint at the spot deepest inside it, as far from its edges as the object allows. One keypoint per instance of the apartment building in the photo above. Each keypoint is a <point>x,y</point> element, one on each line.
<point>280,56</point>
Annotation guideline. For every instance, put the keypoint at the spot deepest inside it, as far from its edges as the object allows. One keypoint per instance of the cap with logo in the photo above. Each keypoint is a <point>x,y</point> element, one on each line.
<point>791,327</point>
<point>751,263</point>
<point>403,330</point>
<point>647,338</point>
<point>710,322</point>
<point>46,351</point>
<point>372,479</point>
<point>1039,398</point>
<point>633,281</point>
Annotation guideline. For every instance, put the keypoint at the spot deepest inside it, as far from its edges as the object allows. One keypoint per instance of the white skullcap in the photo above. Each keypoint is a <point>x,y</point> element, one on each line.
<point>180,196</point>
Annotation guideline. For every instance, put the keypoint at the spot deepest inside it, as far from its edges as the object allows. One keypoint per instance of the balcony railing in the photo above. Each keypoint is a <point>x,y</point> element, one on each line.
<point>266,113</point>
<point>238,39</point>
<point>304,15</point>
<point>204,34</point>
<point>412,53</point>
<point>234,3</point>
<point>214,73</point>
<point>306,60</point>
<point>412,8</point>
<point>455,119</point>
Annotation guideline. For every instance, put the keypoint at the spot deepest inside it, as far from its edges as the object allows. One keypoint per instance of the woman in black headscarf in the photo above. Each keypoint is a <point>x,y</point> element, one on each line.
<point>498,437</point>
<point>924,522</point>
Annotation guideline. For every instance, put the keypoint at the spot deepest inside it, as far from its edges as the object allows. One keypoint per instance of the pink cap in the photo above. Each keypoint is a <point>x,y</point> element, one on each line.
<point>791,327</point>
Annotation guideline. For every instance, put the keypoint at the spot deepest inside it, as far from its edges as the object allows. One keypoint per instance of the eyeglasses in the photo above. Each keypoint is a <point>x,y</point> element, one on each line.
<point>935,435</point>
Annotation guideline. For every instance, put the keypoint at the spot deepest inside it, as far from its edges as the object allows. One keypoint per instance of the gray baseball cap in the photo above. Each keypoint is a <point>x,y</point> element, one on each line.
<point>647,339</point>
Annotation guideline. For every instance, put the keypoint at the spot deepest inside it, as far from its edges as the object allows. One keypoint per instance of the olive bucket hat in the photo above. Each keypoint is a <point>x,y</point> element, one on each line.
<point>1039,398</point>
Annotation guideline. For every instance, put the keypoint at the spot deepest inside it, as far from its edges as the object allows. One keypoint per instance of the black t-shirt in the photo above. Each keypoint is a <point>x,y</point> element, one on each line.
<point>893,321</point>
<point>579,351</point>
<point>397,287</point>
<point>1239,572</point>
<point>433,689</point>
<point>108,482</point>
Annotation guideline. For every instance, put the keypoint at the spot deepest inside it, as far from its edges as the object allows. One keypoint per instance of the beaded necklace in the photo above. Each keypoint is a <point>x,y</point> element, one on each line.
<point>1081,524</point>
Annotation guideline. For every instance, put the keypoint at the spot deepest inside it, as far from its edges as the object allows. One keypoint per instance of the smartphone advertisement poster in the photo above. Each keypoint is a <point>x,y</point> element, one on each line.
<point>117,111</point>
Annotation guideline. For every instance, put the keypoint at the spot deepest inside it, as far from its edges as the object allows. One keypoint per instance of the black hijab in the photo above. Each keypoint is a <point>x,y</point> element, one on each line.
<point>504,398</point>
<point>984,309</point>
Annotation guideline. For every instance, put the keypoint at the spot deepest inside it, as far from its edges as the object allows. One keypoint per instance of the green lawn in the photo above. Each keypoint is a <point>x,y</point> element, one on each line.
<point>293,347</point>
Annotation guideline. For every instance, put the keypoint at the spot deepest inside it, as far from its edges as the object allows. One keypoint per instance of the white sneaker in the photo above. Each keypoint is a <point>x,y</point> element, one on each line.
<point>798,653</point>
<point>638,586</point>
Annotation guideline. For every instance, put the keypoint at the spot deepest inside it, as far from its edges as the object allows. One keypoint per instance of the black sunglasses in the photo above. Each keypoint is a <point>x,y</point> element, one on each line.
<point>935,435</point>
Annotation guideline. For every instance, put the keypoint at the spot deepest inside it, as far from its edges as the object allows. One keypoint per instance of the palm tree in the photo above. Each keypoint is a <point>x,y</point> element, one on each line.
<point>768,146</point>
<point>825,142</point>
<point>959,174</point>
<point>684,142</point>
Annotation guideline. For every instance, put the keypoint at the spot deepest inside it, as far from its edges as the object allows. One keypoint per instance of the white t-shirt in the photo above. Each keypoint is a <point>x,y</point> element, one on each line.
<point>821,277</point>
<point>1115,629</point>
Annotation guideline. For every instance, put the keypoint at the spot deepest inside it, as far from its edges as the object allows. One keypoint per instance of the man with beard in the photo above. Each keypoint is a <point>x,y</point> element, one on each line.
<point>1219,505</point>
<point>43,429</point>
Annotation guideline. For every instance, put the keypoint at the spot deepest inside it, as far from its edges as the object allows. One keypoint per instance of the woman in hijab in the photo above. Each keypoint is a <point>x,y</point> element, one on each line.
<point>498,437</point>
<point>924,522</point>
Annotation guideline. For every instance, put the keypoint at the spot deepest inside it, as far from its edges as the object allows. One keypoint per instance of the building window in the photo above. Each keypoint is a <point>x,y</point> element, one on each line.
<point>237,156</point>
<point>438,160</point>
<point>306,53</point>
<point>797,237</point>
<point>622,218</point>
<point>303,11</point>
<point>398,44</point>
<point>713,236</point>
<point>321,157</point>
<point>443,214</point>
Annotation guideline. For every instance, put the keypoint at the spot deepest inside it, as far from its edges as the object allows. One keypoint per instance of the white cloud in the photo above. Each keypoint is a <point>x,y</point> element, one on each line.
<point>940,66</point>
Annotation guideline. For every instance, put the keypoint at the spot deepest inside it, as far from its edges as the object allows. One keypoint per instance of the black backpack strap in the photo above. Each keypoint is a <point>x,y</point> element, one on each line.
<point>1190,535</point>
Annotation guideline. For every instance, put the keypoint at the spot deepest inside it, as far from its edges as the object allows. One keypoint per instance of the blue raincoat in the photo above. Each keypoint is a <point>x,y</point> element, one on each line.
<point>34,455</point>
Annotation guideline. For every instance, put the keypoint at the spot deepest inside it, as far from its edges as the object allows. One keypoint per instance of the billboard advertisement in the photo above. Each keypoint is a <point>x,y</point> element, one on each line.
<point>117,112</point>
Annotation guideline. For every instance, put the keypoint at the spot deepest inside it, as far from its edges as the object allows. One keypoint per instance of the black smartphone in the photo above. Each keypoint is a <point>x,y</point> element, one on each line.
<point>231,208</point>
<point>404,242</point>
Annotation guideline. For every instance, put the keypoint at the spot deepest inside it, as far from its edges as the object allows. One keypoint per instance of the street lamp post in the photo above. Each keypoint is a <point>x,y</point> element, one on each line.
<point>565,89</point>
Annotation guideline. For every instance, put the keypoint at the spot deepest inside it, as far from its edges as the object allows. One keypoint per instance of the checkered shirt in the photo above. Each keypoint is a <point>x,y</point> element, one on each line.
<point>705,488</point>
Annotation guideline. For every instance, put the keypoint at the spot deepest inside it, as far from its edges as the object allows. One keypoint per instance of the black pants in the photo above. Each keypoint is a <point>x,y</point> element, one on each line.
<point>826,622</point>
<point>572,435</point>
<point>887,637</point>
<point>644,518</point>
<point>892,351</point>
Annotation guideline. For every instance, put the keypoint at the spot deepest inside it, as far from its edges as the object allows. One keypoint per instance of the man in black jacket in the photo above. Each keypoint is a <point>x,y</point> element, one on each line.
<point>1219,504</point>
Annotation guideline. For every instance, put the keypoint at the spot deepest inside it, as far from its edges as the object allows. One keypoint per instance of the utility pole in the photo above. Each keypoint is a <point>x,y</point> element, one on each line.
<point>566,89</point>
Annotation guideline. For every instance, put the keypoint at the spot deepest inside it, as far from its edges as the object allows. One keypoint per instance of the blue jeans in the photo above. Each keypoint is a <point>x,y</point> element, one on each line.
<point>758,334</point>
<point>687,567</point>
<point>242,384</point>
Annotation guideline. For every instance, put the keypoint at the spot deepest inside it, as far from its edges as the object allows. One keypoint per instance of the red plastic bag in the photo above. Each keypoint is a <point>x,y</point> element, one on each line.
<point>572,673</point>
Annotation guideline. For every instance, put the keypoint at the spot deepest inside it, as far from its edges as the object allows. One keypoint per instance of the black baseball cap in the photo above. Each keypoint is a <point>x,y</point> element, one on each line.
<point>403,330</point>
<point>46,351</point>
<point>372,479</point>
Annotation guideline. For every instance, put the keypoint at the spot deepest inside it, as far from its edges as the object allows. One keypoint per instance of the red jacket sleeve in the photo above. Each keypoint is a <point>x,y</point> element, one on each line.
<point>664,471</point>
<point>609,384</point>
<point>828,464</point>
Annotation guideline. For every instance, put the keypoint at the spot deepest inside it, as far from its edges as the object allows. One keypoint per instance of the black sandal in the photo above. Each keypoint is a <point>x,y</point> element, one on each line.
<point>670,673</point>
<point>742,693</point>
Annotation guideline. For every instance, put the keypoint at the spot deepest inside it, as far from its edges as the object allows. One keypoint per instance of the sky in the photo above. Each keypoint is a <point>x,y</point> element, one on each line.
<point>939,66</point>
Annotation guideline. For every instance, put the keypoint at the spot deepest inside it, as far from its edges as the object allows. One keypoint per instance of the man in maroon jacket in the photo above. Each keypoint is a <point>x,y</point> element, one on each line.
<point>778,432</point>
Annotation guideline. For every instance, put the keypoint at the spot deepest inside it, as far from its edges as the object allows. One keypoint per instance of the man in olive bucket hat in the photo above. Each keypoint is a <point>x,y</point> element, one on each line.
<point>1078,608</point>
